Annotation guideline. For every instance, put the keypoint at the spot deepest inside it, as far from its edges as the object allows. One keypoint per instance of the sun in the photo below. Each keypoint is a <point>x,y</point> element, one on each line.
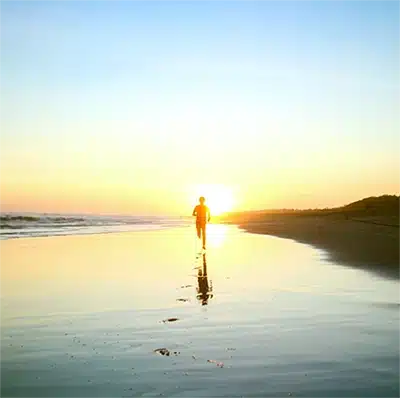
<point>219,198</point>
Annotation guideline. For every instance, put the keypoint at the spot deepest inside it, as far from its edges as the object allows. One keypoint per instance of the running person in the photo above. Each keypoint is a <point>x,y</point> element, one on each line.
<point>202,213</point>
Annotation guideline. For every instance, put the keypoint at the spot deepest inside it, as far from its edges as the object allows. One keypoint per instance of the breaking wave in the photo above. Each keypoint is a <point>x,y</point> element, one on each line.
<point>29,225</point>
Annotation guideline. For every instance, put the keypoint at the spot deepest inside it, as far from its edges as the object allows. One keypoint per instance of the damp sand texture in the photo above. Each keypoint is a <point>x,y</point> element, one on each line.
<point>146,314</point>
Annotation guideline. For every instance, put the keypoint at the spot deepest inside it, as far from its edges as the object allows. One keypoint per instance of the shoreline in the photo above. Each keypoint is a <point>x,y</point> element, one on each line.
<point>363,245</point>
<point>356,243</point>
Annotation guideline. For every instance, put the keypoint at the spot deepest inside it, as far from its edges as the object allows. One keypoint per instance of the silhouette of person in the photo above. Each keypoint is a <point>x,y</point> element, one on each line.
<point>202,213</point>
<point>204,290</point>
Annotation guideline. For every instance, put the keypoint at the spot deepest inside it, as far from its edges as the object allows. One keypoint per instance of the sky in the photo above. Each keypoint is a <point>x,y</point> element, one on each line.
<point>138,107</point>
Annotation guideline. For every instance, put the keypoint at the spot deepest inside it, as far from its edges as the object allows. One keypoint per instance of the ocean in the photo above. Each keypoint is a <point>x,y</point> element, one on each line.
<point>22,225</point>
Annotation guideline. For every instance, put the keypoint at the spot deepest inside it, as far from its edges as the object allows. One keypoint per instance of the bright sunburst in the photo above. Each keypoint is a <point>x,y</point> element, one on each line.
<point>219,198</point>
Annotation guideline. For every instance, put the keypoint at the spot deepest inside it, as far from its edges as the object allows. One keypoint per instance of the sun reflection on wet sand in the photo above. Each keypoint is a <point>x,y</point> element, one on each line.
<point>102,304</point>
<point>216,235</point>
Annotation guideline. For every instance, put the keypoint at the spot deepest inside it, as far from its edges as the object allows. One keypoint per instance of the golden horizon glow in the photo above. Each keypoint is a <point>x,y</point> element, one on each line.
<point>219,198</point>
<point>140,125</point>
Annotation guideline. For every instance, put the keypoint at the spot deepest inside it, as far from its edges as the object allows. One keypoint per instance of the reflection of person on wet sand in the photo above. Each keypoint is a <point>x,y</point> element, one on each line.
<point>204,290</point>
<point>202,213</point>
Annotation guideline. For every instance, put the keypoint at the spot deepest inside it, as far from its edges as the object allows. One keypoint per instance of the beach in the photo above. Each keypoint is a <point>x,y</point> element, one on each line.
<point>146,313</point>
<point>362,242</point>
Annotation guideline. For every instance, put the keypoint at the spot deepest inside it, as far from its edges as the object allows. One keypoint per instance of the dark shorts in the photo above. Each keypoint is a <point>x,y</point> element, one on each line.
<point>200,223</point>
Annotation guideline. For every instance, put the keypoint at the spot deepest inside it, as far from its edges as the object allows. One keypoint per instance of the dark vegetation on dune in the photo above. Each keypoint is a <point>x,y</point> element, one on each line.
<point>376,209</point>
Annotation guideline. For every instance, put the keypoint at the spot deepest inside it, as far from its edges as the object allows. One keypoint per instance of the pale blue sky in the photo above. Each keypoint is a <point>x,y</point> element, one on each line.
<point>306,91</point>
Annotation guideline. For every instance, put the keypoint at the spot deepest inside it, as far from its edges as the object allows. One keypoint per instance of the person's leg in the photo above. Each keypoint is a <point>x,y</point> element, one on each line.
<point>198,229</point>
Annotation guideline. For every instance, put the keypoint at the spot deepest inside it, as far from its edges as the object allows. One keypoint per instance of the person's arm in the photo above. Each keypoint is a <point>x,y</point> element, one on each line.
<point>209,214</point>
<point>194,211</point>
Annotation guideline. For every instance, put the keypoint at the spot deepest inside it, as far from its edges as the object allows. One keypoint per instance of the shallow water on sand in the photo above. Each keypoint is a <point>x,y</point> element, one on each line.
<point>254,316</point>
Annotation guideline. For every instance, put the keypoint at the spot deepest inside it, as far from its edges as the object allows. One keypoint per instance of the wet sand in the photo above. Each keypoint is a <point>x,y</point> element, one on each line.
<point>147,314</point>
<point>353,242</point>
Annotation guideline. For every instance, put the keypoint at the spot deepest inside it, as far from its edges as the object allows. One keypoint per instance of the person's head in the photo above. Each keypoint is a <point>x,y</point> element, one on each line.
<point>202,199</point>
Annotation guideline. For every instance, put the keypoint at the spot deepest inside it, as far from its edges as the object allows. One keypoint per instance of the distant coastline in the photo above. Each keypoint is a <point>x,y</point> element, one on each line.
<point>363,234</point>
